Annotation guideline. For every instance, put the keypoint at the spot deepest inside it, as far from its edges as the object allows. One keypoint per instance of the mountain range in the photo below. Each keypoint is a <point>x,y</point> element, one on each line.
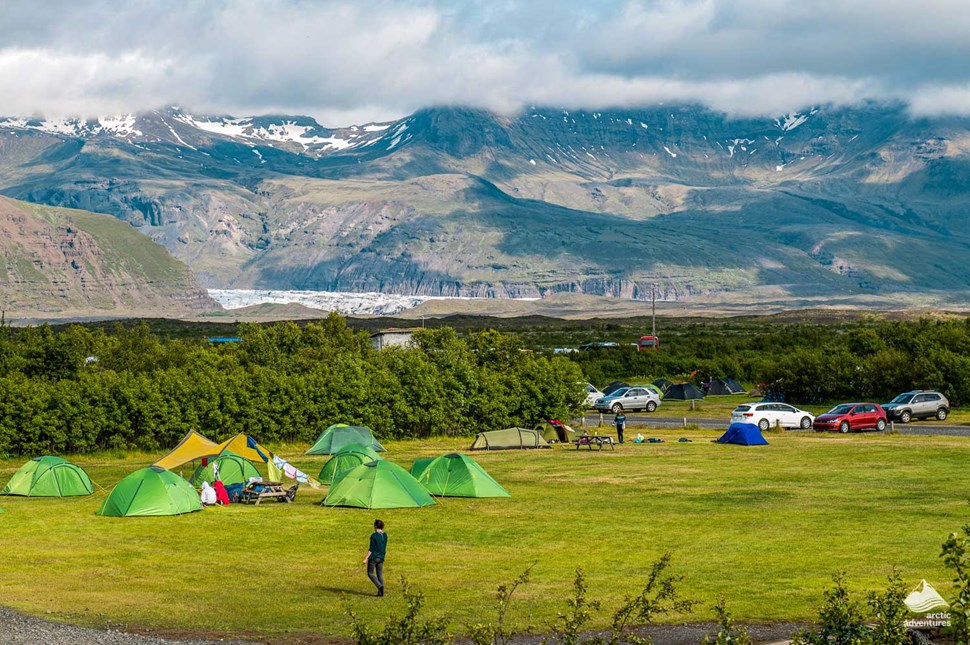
<point>827,202</point>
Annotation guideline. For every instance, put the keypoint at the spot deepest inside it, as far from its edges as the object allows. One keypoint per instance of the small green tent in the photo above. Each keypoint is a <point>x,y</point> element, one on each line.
<point>49,477</point>
<point>151,491</point>
<point>233,469</point>
<point>339,435</point>
<point>377,484</point>
<point>419,465</point>
<point>342,462</point>
<point>455,475</point>
<point>509,439</point>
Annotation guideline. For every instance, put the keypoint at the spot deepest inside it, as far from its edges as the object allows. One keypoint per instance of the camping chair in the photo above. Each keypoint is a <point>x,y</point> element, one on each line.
<point>290,494</point>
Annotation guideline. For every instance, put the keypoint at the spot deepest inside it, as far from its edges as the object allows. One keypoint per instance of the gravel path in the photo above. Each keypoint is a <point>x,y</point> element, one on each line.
<point>19,629</point>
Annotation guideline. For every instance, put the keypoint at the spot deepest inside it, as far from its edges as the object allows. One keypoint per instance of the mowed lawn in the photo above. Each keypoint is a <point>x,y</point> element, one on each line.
<point>765,526</point>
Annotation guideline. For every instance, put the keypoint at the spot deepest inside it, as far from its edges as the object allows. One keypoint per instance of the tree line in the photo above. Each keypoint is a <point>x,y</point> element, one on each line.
<point>85,388</point>
<point>82,389</point>
<point>807,363</point>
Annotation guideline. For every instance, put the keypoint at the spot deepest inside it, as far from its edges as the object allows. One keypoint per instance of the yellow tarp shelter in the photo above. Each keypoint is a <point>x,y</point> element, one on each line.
<point>192,446</point>
<point>246,447</point>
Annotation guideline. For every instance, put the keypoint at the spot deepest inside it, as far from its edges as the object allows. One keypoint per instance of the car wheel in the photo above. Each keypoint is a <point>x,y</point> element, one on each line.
<point>616,408</point>
<point>941,414</point>
<point>764,425</point>
<point>805,423</point>
<point>651,406</point>
<point>905,416</point>
<point>844,427</point>
<point>880,425</point>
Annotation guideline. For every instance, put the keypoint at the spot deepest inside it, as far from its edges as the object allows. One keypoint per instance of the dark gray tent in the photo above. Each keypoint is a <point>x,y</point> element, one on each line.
<point>734,386</point>
<point>718,387</point>
<point>683,392</point>
<point>663,384</point>
<point>613,387</point>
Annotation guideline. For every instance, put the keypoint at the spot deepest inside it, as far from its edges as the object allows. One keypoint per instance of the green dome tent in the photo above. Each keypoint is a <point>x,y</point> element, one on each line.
<point>509,439</point>
<point>49,477</point>
<point>339,435</point>
<point>455,475</point>
<point>151,491</point>
<point>419,465</point>
<point>377,484</point>
<point>233,469</point>
<point>342,462</point>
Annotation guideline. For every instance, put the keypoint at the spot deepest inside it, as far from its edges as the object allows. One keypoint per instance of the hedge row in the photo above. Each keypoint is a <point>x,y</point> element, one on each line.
<point>81,390</point>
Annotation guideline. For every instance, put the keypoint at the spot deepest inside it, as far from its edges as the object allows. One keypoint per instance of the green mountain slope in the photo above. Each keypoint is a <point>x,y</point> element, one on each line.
<point>59,261</point>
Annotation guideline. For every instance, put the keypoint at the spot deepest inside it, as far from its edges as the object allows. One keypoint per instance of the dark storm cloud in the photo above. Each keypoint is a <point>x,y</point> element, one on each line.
<point>343,60</point>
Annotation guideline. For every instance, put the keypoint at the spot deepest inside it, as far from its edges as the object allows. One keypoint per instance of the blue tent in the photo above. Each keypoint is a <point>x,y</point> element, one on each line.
<point>745,434</point>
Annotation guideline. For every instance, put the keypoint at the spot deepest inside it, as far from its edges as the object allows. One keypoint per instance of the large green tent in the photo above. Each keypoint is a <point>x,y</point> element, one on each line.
<point>455,475</point>
<point>233,469</point>
<point>377,484</point>
<point>151,491</point>
<point>509,439</point>
<point>339,435</point>
<point>342,462</point>
<point>49,477</point>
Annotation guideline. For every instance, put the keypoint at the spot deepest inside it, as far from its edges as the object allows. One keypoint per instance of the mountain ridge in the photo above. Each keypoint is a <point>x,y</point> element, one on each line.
<point>60,261</point>
<point>460,201</point>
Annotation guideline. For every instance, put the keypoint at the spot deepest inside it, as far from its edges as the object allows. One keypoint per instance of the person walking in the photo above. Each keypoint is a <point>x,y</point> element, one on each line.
<point>620,422</point>
<point>375,556</point>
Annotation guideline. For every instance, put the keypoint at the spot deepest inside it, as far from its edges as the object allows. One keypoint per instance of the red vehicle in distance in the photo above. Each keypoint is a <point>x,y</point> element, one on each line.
<point>852,416</point>
<point>648,342</point>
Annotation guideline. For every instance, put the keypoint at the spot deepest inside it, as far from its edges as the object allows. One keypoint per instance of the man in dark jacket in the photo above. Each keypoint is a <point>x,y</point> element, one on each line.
<point>620,422</point>
<point>375,556</point>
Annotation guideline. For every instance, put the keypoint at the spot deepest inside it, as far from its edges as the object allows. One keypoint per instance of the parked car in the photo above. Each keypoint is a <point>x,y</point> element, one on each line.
<point>918,404</point>
<point>602,344</point>
<point>852,416</point>
<point>767,415</point>
<point>636,397</point>
<point>591,394</point>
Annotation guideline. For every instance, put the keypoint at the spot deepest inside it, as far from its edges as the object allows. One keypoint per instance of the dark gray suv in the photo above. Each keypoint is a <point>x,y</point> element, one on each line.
<point>918,404</point>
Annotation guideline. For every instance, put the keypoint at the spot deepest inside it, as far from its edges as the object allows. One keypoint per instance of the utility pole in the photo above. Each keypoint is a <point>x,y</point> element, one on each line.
<point>653,306</point>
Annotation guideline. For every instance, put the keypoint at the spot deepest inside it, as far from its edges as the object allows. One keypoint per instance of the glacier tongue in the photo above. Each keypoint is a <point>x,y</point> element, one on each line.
<point>368,303</point>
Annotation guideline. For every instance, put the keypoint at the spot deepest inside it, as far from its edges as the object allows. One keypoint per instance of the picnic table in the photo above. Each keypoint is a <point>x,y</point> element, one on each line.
<point>256,492</point>
<point>599,440</point>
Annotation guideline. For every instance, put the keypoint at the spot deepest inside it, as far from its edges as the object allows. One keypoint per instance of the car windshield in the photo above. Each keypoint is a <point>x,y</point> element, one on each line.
<point>840,409</point>
<point>621,392</point>
<point>902,398</point>
<point>591,389</point>
<point>742,408</point>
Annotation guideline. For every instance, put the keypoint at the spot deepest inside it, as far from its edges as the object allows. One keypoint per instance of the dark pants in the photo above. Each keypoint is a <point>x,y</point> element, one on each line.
<point>619,433</point>
<point>375,571</point>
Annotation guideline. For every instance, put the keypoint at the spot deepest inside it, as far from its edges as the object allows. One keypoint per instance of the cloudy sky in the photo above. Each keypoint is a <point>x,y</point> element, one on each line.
<point>346,61</point>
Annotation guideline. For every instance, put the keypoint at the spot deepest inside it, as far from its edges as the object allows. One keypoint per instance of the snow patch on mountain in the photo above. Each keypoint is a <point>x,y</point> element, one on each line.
<point>793,120</point>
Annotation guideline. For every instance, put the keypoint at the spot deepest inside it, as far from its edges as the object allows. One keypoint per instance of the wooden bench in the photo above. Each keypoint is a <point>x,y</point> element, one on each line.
<point>590,440</point>
<point>258,491</point>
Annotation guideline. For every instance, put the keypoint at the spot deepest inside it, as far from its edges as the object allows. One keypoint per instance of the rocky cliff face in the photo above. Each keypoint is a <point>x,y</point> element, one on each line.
<point>59,262</point>
<point>455,201</point>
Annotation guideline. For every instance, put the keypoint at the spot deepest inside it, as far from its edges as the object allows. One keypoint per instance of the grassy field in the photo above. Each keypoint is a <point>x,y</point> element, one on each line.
<point>765,526</point>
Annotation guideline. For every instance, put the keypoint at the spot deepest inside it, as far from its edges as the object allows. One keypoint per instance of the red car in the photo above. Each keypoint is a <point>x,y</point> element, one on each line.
<point>852,416</point>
